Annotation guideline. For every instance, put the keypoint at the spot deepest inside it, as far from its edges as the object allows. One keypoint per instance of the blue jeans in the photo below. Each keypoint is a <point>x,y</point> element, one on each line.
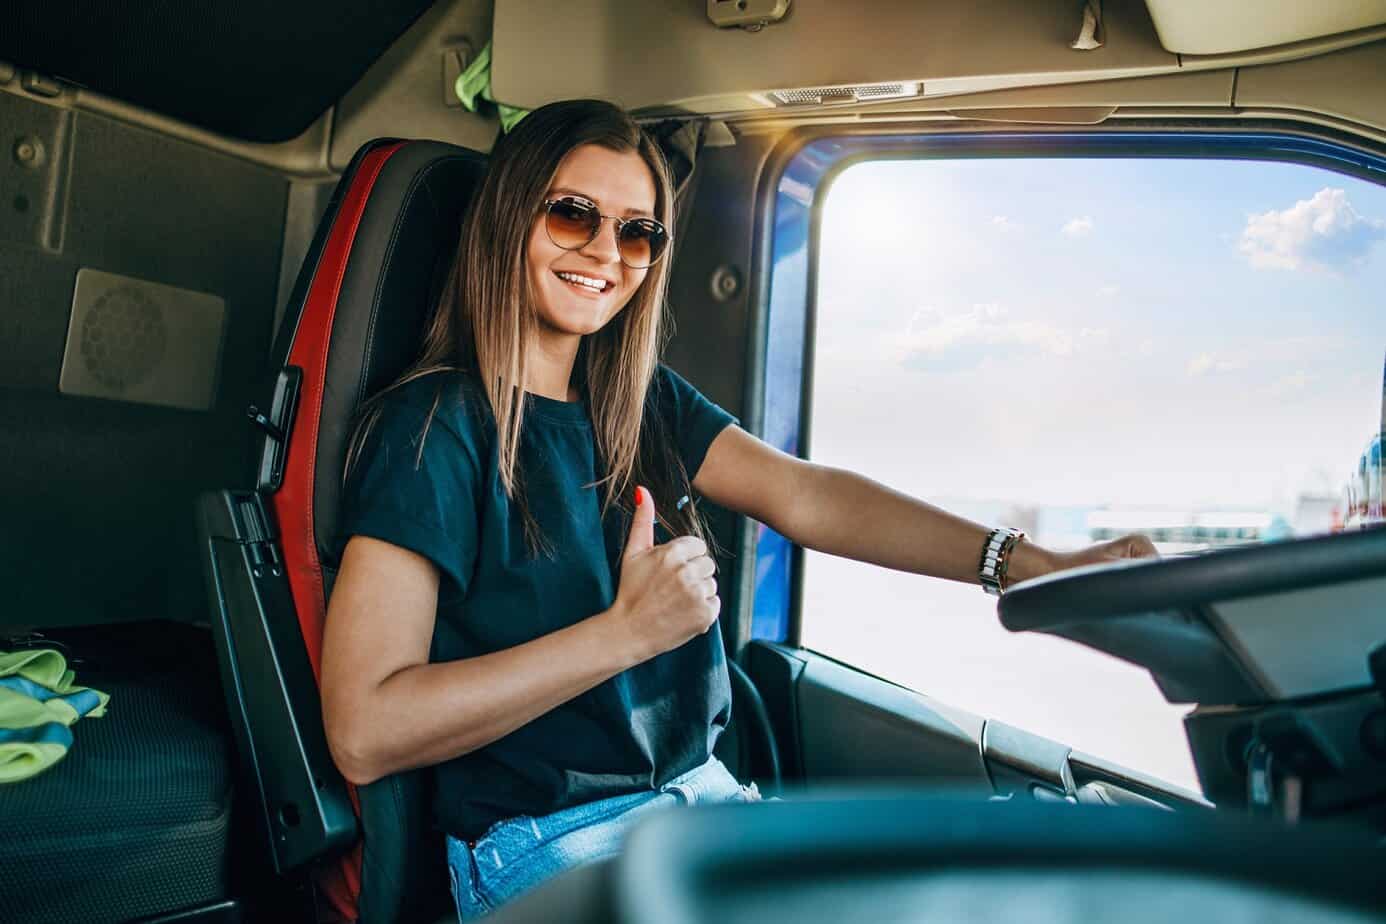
<point>518,853</point>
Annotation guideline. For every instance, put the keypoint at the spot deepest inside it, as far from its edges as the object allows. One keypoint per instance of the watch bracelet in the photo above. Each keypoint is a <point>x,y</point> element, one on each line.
<point>996,549</point>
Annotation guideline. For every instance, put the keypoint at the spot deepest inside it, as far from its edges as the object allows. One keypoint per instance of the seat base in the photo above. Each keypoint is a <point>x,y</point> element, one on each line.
<point>136,820</point>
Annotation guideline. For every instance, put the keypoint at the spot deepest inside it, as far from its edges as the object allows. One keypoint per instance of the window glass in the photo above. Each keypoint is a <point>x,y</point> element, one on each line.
<point>1084,348</point>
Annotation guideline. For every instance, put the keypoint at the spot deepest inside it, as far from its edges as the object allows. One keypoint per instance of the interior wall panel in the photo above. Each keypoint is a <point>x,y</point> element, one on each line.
<point>1345,84</point>
<point>96,512</point>
<point>713,329</point>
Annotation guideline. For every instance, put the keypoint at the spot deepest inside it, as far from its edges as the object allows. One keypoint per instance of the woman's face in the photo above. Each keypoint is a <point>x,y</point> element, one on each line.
<point>620,184</point>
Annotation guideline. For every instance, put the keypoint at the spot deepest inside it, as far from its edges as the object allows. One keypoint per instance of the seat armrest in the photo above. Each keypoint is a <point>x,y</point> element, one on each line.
<point>271,693</point>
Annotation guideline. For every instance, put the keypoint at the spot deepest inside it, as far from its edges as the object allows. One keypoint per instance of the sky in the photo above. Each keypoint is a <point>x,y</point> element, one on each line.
<point>1176,334</point>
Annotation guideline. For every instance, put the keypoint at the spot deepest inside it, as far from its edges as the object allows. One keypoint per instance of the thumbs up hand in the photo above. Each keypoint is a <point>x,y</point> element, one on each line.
<point>667,593</point>
<point>641,538</point>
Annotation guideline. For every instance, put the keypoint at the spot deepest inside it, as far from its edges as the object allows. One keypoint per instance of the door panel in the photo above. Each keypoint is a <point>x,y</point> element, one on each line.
<point>835,723</point>
<point>849,725</point>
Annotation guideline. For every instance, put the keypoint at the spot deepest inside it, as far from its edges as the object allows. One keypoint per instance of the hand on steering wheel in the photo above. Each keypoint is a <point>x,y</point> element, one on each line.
<point>1134,545</point>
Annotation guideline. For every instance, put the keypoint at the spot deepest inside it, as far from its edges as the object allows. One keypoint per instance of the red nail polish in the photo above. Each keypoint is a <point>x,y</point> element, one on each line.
<point>638,498</point>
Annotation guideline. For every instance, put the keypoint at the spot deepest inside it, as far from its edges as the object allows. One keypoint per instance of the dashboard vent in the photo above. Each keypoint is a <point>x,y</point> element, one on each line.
<point>851,93</point>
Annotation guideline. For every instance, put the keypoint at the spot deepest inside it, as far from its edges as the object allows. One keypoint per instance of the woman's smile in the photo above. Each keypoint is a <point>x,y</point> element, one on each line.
<point>588,285</point>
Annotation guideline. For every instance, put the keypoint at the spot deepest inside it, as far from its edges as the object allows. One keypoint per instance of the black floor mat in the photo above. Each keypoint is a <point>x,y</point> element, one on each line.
<point>136,819</point>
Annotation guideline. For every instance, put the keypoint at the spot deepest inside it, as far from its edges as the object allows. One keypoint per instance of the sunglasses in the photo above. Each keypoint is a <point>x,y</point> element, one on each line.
<point>573,222</point>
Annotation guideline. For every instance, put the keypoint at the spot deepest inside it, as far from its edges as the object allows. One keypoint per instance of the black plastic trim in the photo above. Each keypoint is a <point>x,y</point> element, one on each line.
<point>753,709</point>
<point>282,409</point>
<point>272,697</point>
<point>1343,776</point>
<point>776,670</point>
<point>854,726</point>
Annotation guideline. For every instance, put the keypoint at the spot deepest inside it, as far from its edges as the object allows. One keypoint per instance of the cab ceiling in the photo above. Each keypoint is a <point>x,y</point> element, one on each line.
<point>667,57</point>
<point>258,70</point>
<point>319,79</point>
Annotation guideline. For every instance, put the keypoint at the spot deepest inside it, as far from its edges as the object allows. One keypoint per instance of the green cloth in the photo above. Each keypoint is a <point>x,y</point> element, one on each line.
<point>474,84</point>
<point>38,701</point>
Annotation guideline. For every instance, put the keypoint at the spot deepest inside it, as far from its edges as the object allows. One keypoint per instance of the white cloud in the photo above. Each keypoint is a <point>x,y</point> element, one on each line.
<point>1003,224</point>
<point>1321,234</point>
<point>986,328</point>
<point>1078,227</point>
<point>1265,354</point>
<point>1204,363</point>
<point>1109,291</point>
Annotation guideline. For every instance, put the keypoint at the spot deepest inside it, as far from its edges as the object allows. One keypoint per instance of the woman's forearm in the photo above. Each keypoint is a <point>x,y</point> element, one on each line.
<point>428,713</point>
<point>843,513</point>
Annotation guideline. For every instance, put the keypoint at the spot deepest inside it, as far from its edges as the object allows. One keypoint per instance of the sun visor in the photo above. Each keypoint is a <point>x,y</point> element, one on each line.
<point>660,58</point>
<point>1197,27</point>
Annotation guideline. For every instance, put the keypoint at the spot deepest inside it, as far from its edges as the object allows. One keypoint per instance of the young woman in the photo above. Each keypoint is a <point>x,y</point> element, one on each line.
<point>524,598</point>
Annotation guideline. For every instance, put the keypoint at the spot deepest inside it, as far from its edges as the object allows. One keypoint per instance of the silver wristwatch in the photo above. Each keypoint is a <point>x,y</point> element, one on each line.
<point>996,557</point>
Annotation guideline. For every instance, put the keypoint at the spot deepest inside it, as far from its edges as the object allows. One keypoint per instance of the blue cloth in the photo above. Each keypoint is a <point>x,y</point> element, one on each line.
<point>518,854</point>
<point>38,701</point>
<point>439,494</point>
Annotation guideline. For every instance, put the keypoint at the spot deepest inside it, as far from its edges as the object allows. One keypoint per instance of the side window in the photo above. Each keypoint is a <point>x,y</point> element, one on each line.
<point>1083,348</point>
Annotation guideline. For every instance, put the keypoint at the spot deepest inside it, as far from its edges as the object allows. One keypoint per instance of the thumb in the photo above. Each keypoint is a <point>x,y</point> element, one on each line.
<point>641,525</point>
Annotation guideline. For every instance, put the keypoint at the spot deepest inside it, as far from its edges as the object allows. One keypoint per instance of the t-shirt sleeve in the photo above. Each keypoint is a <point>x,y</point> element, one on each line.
<point>417,491</point>
<point>694,420</point>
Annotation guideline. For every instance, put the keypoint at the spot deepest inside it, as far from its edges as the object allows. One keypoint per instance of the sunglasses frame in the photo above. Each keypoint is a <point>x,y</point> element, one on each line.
<point>620,225</point>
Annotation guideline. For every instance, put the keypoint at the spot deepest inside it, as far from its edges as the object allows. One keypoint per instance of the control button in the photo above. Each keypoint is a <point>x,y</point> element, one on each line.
<point>40,85</point>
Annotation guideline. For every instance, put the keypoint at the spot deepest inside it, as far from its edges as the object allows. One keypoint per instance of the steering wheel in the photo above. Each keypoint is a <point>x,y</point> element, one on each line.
<point>1155,612</point>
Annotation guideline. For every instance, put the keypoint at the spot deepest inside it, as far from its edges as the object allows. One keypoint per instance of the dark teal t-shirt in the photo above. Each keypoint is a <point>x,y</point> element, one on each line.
<point>444,500</point>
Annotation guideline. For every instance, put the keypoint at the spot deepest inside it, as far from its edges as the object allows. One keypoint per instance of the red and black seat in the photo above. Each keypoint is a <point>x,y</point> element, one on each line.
<point>354,322</point>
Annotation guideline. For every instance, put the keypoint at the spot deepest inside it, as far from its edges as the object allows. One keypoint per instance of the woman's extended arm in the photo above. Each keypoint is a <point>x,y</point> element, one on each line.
<point>843,513</point>
<point>387,709</point>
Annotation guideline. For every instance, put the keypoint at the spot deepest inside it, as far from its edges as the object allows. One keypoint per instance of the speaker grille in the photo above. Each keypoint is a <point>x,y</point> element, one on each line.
<point>123,338</point>
<point>146,342</point>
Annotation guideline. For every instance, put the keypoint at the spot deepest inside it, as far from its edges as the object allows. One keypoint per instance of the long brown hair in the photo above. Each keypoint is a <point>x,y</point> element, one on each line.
<point>486,317</point>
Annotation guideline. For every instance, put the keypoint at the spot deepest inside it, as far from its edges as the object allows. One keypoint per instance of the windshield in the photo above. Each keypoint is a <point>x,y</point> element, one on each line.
<point>1084,348</point>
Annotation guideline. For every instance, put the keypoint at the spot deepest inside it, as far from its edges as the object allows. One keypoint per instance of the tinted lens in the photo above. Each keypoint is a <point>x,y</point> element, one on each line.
<point>641,242</point>
<point>572,224</point>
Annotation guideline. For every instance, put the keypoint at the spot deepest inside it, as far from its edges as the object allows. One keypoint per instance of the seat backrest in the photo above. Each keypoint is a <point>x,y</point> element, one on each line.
<point>354,322</point>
